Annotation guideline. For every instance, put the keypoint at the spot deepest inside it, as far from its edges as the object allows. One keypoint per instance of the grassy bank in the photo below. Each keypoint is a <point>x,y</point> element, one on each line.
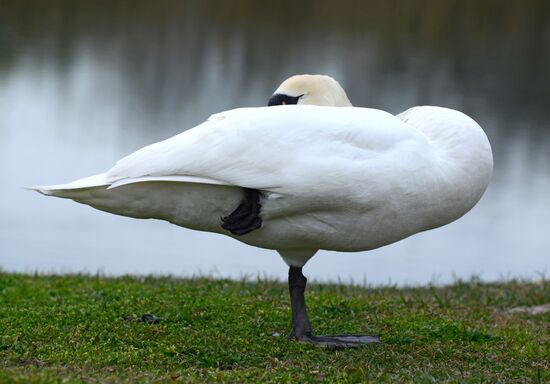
<point>88,328</point>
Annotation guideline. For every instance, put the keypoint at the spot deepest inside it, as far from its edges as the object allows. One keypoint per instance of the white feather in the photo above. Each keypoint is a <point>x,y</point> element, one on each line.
<point>343,179</point>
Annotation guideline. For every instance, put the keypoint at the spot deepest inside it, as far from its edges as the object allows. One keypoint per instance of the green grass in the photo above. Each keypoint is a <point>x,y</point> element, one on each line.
<point>83,328</point>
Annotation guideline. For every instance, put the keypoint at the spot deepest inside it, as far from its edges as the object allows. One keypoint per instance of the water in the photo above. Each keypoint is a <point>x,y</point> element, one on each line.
<point>82,85</point>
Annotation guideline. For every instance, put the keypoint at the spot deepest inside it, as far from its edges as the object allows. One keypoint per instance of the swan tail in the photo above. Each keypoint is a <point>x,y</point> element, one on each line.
<point>191,202</point>
<point>74,189</point>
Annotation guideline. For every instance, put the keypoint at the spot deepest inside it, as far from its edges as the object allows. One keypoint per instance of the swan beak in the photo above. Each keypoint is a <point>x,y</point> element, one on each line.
<point>276,99</point>
<point>281,99</point>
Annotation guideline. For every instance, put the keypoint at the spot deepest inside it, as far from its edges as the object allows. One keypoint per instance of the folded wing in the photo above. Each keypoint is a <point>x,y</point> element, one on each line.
<point>288,150</point>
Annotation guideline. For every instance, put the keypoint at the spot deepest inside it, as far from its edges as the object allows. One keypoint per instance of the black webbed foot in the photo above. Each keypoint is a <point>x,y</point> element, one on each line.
<point>301,329</point>
<point>246,217</point>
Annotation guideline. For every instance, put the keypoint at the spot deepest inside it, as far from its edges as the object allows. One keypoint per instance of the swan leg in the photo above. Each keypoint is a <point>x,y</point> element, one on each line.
<point>246,217</point>
<point>301,328</point>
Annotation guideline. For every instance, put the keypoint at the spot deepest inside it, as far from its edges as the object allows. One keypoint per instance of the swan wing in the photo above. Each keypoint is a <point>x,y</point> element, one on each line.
<point>288,150</point>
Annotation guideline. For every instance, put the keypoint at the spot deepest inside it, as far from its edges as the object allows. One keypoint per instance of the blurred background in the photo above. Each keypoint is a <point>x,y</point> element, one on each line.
<point>83,83</point>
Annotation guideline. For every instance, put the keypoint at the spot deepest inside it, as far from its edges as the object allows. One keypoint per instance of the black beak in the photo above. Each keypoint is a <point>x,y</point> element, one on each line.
<point>280,99</point>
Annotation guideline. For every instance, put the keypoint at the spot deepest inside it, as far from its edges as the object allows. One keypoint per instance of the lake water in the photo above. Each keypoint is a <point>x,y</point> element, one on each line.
<point>83,84</point>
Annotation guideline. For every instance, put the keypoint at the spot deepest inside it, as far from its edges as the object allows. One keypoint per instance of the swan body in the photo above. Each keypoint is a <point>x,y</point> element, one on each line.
<point>342,179</point>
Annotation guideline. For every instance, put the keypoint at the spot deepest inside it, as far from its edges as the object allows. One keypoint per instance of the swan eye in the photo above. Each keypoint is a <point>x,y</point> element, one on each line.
<point>281,99</point>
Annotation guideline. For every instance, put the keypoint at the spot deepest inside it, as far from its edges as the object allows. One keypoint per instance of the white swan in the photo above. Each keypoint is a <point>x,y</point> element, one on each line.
<point>300,178</point>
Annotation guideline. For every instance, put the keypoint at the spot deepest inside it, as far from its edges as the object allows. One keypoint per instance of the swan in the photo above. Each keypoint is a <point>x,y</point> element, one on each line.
<point>297,177</point>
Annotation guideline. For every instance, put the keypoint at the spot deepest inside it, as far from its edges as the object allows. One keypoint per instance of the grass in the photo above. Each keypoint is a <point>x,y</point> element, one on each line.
<point>86,329</point>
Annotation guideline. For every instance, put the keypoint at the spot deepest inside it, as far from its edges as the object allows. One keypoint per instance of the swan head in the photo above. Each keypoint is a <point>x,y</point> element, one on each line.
<point>310,89</point>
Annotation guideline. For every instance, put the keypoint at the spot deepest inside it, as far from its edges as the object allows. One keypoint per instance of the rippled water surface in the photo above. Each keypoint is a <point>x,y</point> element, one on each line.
<point>85,83</point>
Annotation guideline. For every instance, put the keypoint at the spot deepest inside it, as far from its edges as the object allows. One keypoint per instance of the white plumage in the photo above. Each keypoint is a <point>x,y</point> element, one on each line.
<point>345,179</point>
